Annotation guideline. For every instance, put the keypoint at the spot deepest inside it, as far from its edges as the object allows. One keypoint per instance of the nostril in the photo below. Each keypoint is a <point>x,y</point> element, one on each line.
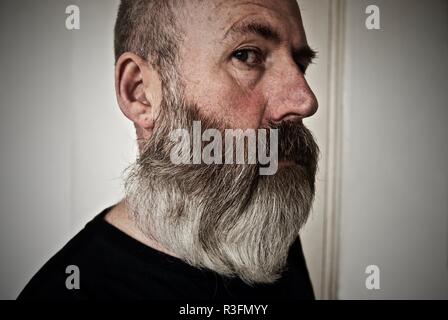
<point>292,118</point>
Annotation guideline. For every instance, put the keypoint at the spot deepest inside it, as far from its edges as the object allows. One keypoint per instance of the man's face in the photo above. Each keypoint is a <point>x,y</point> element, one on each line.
<point>242,67</point>
<point>243,62</point>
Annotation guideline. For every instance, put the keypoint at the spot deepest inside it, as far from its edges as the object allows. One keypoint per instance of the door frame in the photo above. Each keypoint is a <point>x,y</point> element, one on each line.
<point>331,229</point>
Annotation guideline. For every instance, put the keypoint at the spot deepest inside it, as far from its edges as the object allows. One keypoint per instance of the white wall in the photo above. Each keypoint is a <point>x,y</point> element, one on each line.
<point>318,38</point>
<point>103,140</point>
<point>395,183</point>
<point>34,143</point>
<point>63,141</point>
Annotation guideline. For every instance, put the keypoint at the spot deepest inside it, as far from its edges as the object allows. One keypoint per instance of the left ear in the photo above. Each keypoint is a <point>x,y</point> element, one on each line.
<point>139,93</point>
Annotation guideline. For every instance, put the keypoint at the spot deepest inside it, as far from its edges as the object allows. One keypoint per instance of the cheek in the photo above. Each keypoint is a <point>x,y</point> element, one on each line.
<point>247,110</point>
<point>220,96</point>
<point>238,108</point>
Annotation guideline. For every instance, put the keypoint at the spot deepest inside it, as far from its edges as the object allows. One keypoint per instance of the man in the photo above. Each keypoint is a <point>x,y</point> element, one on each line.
<point>192,230</point>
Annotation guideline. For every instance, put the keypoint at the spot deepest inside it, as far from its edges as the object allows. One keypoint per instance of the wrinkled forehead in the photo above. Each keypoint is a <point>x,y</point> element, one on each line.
<point>214,18</point>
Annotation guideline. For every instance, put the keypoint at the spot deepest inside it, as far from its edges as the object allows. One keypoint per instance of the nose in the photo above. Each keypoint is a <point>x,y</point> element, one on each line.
<point>288,94</point>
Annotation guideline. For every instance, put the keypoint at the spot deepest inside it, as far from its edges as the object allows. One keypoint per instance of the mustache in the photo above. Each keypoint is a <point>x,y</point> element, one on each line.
<point>297,144</point>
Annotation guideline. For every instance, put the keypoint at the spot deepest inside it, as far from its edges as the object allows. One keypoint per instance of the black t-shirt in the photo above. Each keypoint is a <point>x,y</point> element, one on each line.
<point>113,265</point>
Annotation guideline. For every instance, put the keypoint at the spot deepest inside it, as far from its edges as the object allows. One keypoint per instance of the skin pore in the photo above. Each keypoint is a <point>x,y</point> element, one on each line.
<point>242,62</point>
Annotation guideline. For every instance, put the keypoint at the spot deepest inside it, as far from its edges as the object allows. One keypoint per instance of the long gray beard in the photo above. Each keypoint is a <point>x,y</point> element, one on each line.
<point>226,218</point>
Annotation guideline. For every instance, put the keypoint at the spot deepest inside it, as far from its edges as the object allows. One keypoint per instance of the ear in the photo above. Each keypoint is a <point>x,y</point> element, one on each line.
<point>139,92</point>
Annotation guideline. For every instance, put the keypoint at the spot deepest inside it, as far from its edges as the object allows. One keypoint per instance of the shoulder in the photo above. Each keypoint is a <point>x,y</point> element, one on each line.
<point>58,279</point>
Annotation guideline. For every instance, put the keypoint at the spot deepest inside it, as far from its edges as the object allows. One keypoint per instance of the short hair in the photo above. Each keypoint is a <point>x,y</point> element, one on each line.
<point>148,28</point>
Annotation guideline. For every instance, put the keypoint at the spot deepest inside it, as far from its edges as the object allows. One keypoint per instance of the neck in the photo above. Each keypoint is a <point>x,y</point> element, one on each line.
<point>120,218</point>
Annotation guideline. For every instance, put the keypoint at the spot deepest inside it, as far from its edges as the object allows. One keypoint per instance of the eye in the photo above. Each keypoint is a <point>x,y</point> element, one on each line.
<point>250,57</point>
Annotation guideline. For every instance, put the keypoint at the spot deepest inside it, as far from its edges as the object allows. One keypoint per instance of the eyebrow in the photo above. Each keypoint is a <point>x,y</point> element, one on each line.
<point>266,31</point>
<point>305,53</point>
<point>255,28</point>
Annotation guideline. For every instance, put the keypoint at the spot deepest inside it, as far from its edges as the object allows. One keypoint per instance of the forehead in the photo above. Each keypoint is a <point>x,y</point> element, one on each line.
<point>229,8</point>
<point>213,18</point>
